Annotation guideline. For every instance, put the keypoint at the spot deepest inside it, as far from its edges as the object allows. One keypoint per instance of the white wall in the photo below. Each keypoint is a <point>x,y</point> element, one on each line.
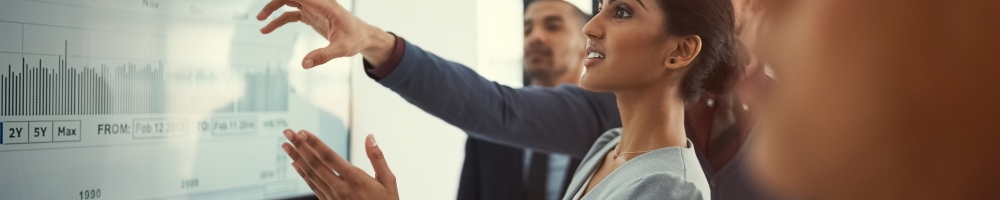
<point>500,30</point>
<point>424,152</point>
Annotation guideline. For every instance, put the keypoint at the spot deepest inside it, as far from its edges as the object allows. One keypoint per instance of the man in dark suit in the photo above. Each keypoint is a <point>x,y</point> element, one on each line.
<point>553,54</point>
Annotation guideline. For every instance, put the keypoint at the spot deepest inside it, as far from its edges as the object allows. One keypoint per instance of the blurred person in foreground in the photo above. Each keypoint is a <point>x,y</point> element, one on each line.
<point>888,99</point>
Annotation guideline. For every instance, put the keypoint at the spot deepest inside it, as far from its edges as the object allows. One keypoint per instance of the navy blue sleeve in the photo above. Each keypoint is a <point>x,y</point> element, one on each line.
<point>565,119</point>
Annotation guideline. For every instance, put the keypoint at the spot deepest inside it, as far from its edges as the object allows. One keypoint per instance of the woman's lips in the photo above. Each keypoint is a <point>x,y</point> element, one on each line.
<point>590,62</point>
<point>593,57</point>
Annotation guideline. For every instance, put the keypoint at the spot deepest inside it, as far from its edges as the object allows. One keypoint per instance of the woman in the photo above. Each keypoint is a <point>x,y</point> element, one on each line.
<point>656,56</point>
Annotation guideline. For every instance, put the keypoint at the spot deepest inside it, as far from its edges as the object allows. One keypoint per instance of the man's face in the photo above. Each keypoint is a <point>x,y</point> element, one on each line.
<point>553,43</point>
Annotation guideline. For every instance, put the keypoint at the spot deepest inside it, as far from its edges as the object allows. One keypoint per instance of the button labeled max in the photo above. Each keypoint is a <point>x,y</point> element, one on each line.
<point>66,131</point>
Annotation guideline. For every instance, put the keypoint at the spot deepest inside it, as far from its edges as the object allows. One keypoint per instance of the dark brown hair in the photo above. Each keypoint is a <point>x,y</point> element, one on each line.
<point>721,60</point>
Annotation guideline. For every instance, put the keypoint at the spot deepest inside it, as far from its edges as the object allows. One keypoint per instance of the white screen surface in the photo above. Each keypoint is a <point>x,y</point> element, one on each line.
<point>140,99</point>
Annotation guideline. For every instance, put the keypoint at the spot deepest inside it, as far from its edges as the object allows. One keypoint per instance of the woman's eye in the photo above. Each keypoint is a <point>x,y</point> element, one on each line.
<point>622,13</point>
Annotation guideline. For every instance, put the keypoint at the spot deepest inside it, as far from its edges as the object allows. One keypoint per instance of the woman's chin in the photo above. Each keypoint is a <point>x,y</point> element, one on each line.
<point>593,84</point>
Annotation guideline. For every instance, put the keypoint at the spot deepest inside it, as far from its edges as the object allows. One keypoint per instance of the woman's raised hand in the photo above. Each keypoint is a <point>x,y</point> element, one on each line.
<point>347,34</point>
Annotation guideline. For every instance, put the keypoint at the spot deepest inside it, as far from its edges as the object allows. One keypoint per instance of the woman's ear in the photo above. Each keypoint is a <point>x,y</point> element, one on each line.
<point>684,53</point>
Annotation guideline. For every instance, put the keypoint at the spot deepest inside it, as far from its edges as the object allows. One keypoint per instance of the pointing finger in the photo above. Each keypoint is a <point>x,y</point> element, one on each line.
<point>287,17</point>
<point>270,8</point>
<point>314,164</point>
<point>291,151</point>
<point>382,172</point>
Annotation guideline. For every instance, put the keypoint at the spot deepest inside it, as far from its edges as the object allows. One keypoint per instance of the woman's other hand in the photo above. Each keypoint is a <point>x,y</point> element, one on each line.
<point>332,177</point>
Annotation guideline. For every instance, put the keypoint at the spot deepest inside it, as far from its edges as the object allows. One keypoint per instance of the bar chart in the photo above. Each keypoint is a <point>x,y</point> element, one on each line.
<point>51,81</point>
<point>64,90</point>
<point>152,99</point>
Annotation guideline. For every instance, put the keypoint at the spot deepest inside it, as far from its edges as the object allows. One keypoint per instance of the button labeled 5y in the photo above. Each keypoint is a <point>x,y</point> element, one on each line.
<point>40,132</point>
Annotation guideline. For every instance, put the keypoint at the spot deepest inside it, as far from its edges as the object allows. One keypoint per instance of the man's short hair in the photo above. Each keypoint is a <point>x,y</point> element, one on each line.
<point>584,17</point>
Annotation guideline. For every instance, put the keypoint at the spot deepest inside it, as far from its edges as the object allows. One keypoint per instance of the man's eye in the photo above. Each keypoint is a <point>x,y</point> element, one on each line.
<point>552,27</point>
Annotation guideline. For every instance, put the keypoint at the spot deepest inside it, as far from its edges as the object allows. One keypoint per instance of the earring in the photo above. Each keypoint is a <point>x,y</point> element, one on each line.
<point>672,60</point>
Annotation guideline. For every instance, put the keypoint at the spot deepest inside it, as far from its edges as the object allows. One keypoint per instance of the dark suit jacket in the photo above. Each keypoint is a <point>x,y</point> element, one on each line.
<point>492,171</point>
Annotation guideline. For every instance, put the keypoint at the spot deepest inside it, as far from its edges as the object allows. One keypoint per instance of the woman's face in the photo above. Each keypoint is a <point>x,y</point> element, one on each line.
<point>626,46</point>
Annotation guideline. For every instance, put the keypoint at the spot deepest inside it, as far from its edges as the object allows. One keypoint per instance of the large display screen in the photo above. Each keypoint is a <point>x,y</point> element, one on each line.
<point>157,99</point>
